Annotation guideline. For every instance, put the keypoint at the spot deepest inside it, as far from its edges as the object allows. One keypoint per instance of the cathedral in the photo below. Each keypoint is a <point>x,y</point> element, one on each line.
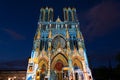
<point>58,51</point>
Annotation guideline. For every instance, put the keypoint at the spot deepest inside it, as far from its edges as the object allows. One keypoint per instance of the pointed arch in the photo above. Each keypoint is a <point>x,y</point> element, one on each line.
<point>42,62</point>
<point>59,35</point>
<point>77,63</point>
<point>59,57</point>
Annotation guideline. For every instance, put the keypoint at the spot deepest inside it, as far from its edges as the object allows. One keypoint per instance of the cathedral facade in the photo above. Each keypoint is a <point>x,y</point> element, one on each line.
<point>58,49</point>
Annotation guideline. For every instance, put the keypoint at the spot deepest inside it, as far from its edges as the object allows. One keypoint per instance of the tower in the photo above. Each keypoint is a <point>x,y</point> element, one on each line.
<point>58,49</point>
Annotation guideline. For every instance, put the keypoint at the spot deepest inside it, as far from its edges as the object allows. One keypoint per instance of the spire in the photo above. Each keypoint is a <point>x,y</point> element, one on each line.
<point>43,50</point>
<point>82,37</point>
<point>38,34</point>
<point>75,50</point>
<point>37,49</point>
<point>58,19</point>
<point>50,33</point>
<point>78,33</point>
<point>67,36</point>
<point>67,33</point>
<point>81,51</point>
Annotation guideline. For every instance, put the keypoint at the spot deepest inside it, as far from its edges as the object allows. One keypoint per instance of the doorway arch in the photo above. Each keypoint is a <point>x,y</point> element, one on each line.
<point>58,62</point>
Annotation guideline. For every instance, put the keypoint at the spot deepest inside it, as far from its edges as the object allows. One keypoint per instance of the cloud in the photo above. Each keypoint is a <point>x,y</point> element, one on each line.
<point>14,34</point>
<point>101,19</point>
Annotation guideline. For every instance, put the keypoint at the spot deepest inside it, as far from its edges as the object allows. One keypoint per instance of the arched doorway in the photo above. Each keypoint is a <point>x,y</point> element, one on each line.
<point>58,68</point>
<point>58,62</point>
<point>78,67</point>
<point>58,65</point>
<point>43,72</point>
<point>43,66</point>
<point>77,64</point>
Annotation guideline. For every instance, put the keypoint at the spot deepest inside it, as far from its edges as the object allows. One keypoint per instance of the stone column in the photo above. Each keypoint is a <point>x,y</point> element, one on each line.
<point>85,71</point>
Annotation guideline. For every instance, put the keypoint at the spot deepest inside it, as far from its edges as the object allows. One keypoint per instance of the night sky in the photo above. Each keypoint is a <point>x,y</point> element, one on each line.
<point>99,23</point>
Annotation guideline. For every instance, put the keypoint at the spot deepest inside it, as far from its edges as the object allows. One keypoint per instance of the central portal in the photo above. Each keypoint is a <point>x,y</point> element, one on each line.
<point>58,63</point>
<point>58,69</point>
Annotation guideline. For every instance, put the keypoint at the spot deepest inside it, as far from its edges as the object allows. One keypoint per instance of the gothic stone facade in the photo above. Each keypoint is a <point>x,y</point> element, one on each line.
<point>58,49</point>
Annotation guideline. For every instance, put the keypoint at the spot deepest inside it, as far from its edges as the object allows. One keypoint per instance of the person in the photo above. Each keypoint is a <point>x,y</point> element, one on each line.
<point>30,68</point>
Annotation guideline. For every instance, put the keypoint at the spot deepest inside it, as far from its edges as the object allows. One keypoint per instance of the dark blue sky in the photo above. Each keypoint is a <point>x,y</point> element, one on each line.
<point>99,23</point>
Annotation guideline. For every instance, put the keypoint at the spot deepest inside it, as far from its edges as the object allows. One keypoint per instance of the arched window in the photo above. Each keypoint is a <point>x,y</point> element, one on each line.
<point>46,15</point>
<point>42,15</point>
<point>74,14</point>
<point>65,14</point>
<point>51,14</point>
<point>70,15</point>
<point>59,41</point>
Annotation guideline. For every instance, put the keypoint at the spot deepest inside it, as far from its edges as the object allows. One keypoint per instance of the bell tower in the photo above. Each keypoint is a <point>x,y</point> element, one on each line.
<point>58,49</point>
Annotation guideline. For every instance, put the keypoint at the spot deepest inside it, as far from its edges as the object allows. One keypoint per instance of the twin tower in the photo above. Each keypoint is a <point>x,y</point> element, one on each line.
<point>47,14</point>
<point>58,51</point>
